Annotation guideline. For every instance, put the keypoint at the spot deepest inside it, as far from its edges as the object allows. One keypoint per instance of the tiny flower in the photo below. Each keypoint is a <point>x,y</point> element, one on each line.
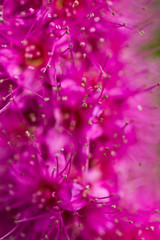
<point>79,123</point>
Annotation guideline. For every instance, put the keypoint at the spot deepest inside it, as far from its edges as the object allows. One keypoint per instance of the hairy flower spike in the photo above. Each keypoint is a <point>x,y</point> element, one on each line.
<point>79,122</point>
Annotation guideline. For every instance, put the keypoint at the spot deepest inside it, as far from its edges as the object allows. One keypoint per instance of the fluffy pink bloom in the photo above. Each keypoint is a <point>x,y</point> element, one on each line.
<point>78,121</point>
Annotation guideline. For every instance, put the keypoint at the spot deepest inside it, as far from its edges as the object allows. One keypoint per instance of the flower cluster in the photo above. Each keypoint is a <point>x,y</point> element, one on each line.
<point>78,120</point>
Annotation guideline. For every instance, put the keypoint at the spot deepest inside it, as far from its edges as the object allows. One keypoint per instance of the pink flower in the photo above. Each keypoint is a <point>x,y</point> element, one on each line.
<point>79,121</point>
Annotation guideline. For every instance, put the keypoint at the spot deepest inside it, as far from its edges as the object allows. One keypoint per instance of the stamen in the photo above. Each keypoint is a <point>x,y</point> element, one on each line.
<point>9,233</point>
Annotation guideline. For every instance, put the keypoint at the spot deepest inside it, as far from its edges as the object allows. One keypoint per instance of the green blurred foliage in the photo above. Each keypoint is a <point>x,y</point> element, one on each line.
<point>154,45</point>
